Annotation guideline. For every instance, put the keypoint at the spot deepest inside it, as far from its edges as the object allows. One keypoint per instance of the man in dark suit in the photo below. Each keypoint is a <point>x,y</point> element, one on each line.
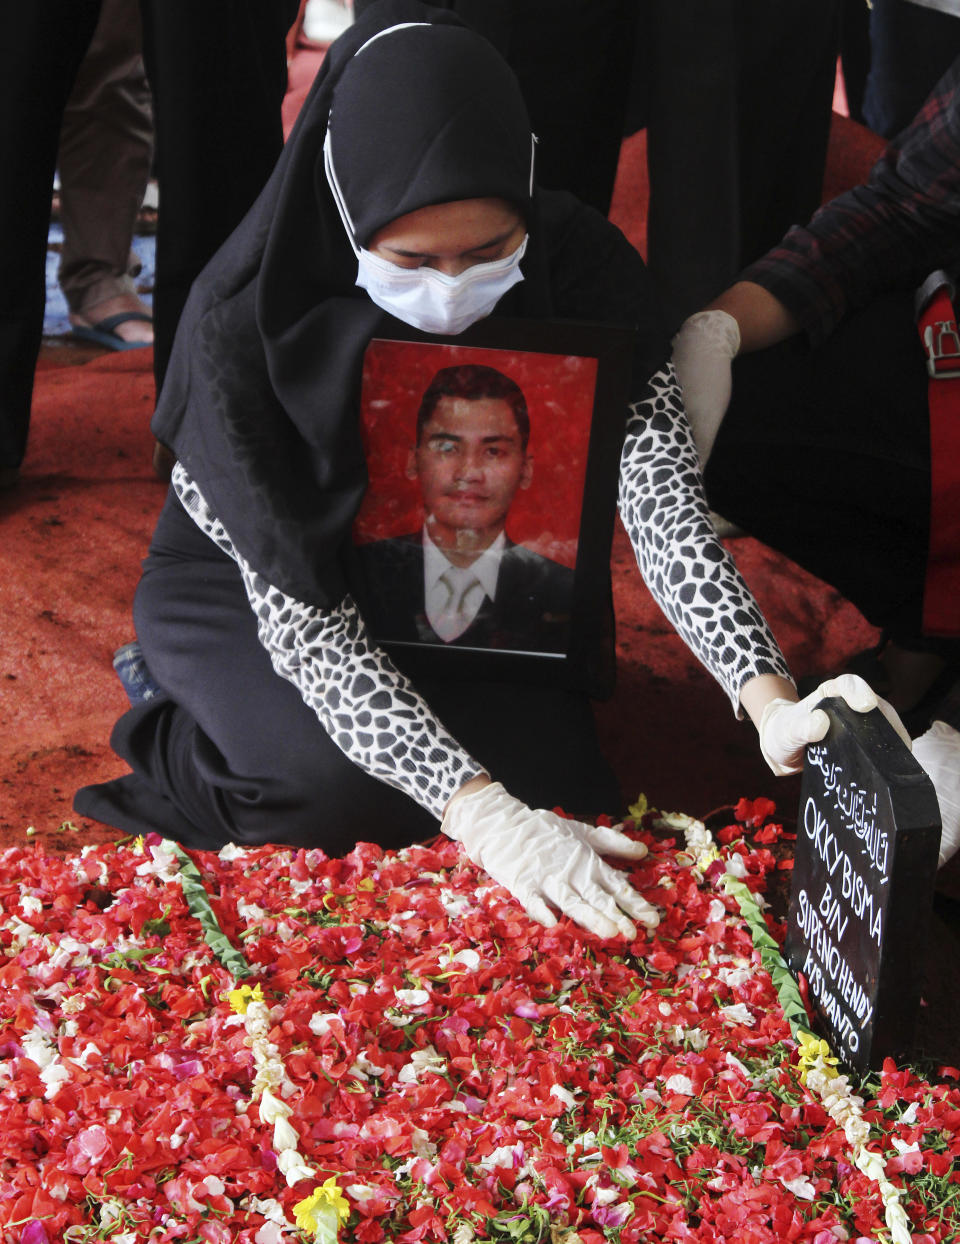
<point>461,580</point>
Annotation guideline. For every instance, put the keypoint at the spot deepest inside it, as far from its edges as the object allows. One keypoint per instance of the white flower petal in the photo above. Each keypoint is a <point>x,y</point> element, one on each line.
<point>800,1187</point>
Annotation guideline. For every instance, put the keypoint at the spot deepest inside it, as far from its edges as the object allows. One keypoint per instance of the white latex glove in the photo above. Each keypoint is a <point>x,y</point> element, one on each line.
<point>544,859</point>
<point>938,751</point>
<point>703,350</point>
<point>786,726</point>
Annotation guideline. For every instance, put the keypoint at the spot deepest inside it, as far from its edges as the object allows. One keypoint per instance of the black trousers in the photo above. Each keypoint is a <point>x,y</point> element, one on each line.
<point>217,72</point>
<point>911,47</point>
<point>739,97</point>
<point>232,753</point>
<point>825,455</point>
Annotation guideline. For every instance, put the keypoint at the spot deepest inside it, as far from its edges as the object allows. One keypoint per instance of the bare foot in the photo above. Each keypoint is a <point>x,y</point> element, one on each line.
<point>131,330</point>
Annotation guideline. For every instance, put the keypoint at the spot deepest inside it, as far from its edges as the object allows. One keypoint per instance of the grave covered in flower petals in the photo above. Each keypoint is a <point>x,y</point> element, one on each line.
<point>269,1045</point>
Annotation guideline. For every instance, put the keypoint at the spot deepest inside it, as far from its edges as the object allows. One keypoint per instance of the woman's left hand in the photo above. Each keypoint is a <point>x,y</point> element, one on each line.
<point>787,726</point>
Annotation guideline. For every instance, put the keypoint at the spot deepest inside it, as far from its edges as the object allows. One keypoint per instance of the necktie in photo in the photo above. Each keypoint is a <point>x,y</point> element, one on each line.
<point>464,598</point>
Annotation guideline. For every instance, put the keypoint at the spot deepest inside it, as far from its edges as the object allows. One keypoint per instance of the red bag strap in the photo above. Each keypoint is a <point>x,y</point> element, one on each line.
<point>937,325</point>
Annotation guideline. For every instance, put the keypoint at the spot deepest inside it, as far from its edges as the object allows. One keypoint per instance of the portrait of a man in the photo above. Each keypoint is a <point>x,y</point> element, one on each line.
<point>460,579</point>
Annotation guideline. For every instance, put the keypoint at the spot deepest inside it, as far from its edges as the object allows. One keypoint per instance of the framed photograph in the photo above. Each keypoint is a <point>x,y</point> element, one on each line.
<point>482,547</point>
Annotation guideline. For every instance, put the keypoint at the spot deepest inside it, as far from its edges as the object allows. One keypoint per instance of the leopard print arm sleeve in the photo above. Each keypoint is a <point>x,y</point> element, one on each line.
<point>369,709</point>
<point>685,566</point>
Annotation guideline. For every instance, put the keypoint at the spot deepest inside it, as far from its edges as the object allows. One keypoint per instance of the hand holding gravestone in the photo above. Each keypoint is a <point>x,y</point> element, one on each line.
<point>787,726</point>
<point>867,840</point>
<point>938,750</point>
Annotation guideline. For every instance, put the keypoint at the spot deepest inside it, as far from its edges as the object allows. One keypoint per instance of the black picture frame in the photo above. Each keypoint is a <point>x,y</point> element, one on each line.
<point>592,362</point>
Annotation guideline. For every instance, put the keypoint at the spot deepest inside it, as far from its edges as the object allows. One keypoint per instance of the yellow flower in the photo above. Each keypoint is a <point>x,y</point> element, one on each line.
<point>815,1052</point>
<point>241,998</point>
<point>639,809</point>
<point>365,883</point>
<point>139,844</point>
<point>313,1210</point>
<point>706,857</point>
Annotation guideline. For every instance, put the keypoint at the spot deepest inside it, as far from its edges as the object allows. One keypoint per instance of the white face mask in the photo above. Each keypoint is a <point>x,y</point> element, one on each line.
<point>422,297</point>
<point>431,300</point>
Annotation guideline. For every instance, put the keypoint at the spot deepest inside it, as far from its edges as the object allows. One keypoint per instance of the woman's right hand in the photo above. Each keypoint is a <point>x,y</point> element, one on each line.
<point>787,726</point>
<point>547,861</point>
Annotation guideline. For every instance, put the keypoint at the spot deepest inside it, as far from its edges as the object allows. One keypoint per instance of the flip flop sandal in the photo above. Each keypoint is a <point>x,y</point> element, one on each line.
<point>103,332</point>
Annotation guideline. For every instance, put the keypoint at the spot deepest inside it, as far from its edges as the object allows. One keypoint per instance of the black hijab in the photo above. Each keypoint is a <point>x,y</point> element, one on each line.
<point>261,399</point>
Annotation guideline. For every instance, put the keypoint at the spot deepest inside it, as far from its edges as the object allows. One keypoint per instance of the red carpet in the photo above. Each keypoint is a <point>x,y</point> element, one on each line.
<point>74,531</point>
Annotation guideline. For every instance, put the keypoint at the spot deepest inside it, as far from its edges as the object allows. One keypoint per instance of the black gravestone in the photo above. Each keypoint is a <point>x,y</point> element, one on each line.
<point>868,836</point>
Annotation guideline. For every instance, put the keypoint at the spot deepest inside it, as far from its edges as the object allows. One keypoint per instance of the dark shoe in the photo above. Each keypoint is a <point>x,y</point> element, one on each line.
<point>9,477</point>
<point>913,681</point>
<point>132,671</point>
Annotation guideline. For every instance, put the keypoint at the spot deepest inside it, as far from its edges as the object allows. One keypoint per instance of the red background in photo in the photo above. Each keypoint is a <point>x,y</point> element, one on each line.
<point>559,391</point>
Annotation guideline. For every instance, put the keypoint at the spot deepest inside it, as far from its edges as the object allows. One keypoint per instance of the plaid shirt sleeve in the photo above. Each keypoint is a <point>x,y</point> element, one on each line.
<point>885,235</point>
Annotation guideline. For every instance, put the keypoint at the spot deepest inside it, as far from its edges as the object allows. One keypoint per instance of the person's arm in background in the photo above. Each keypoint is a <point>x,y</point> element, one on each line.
<point>886,234</point>
<point>762,319</point>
